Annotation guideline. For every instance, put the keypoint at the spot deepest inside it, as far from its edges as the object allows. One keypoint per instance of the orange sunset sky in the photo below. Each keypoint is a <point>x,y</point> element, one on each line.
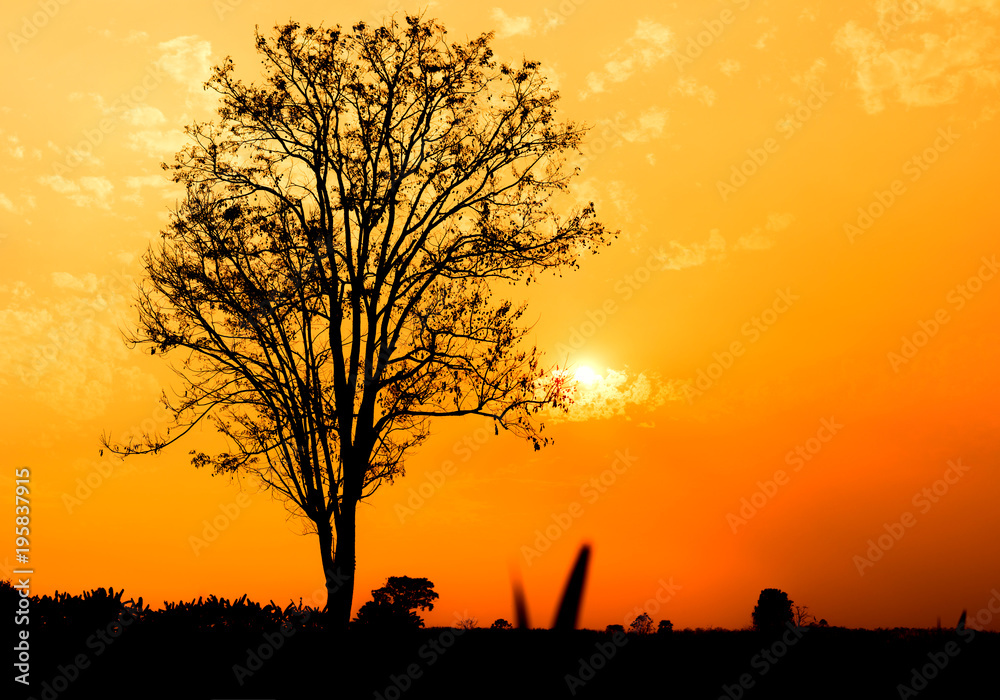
<point>807,268</point>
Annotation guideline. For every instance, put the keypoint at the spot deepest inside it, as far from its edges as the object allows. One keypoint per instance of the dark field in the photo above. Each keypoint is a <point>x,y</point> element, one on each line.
<point>197,650</point>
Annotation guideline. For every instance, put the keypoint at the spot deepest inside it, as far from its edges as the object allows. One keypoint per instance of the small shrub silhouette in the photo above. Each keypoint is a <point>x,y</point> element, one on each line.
<point>468,623</point>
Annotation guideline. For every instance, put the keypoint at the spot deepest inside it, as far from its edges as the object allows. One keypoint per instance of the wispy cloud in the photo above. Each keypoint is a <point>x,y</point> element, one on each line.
<point>650,43</point>
<point>730,67</point>
<point>186,59</point>
<point>135,185</point>
<point>687,86</point>
<point>157,143</point>
<point>649,125</point>
<point>683,256</point>
<point>85,192</point>
<point>619,393</point>
<point>925,57</point>
<point>65,350</point>
<point>508,26</point>
<point>759,238</point>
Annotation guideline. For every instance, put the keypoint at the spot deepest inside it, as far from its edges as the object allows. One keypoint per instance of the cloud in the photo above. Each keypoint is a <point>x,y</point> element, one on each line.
<point>186,59</point>
<point>85,192</point>
<point>59,184</point>
<point>65,280</point>
<point>100,187</point>
<point>755,240</point>
<point>768,34</point>
<point>758,238</point>
<point>83,157</point>
<point>508,26</point>
<point>552,20</point>
<point>623,197</point>
<point>158,143</point>
<point>648,126</point>
<point>779,222</point>
<point>650,44</point>
<point>143,115</point>
<point>810,77</point>
<point>687,86</point>
<point>134,36</point>
<point>616,393</point>
<point>953,7</point>
<point>922,57</point>
<point>140,115</point>
<point>14,148</point>
<point>135,186</point>
<point>158,181</point>
<point>681,256</point>
<point>730,67</point>
<point>551,75</point>
<point>6,204</point>
<point>65,351</point>
<point>762,40</point>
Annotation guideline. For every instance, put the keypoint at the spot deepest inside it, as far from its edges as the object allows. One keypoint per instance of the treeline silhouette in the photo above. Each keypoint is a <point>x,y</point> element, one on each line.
<point>102,645</point>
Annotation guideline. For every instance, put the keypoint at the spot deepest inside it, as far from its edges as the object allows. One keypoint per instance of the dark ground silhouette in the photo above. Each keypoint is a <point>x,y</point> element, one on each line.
<point>99,646</point>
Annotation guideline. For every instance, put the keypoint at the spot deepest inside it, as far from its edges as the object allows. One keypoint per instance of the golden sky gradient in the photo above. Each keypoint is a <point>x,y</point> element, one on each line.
<point>801,311</point>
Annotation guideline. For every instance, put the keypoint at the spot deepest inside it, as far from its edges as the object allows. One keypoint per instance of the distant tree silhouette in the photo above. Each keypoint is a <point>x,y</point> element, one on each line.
<point>395,604</point>
<point>468,623</point>
<point>665,627</point>
<point>501,624</point>
<point>614,629</point>
<point>773,610</point>
<point>643,624</point>
<point>802,617</point>
<point>324,283</point>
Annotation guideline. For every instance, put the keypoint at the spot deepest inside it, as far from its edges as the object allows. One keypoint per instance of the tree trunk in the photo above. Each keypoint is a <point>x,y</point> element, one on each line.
<point>339,565</point>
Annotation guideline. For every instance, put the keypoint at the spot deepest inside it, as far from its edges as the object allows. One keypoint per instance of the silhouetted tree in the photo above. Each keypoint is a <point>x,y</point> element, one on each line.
<point>501,624</point>
<point>325,282</point>
<point>773,610</point>
<point>395,604</point>
<point>614,629</point>
<point>468,623</point>
<point>802,617</point>
<point>665,627</point>
<point>643,624</point>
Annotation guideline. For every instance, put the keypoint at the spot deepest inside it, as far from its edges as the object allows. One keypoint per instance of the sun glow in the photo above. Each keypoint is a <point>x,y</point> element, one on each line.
<point>585,375</point>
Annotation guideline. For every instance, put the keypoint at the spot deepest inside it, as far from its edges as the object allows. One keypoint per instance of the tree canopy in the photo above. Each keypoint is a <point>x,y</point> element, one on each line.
<point>773,611</point>
<point>327,285</point>
<point>395,604</point>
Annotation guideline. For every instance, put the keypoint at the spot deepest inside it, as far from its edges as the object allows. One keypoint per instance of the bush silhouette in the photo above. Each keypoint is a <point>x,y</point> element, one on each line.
<point>665,627</point>
<point>394,604</point>
<point>773,611</point>
<point>501,624</point>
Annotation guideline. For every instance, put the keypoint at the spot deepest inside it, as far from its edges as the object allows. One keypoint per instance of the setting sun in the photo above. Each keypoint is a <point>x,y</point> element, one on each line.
<point>585,375</point>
